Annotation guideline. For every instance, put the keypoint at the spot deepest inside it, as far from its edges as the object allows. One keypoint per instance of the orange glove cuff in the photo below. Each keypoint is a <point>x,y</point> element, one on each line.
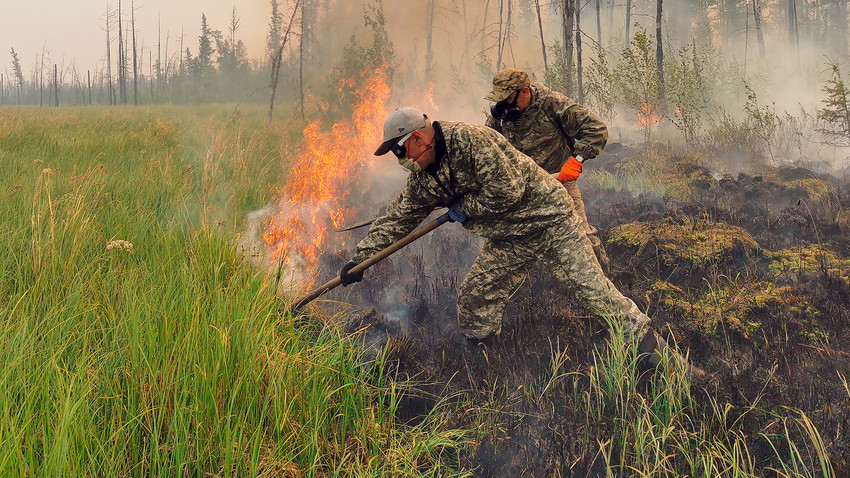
<point>570,171</point>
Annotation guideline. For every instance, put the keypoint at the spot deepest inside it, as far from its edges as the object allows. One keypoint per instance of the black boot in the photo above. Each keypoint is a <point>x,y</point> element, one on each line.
<point>654,349</point>
<point>477,352</point>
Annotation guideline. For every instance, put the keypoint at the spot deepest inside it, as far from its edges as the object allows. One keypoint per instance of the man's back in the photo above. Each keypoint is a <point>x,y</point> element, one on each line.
<point>505,193</point>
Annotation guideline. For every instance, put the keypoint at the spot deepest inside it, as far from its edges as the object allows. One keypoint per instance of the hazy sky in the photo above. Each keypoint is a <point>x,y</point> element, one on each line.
<point>74,29</point>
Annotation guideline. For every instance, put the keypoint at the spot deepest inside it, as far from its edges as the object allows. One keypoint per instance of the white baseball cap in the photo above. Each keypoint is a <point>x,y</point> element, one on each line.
<point>400,122</point>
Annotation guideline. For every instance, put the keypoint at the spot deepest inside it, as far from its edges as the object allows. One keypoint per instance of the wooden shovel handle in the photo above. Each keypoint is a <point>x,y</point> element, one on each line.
<point>416,234</point>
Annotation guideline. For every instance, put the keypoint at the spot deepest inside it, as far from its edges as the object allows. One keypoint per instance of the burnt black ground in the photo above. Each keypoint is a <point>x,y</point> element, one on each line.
<point>793,359</point>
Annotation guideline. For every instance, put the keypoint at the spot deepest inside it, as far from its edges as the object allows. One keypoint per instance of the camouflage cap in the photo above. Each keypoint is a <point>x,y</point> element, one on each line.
<point>506,82</point>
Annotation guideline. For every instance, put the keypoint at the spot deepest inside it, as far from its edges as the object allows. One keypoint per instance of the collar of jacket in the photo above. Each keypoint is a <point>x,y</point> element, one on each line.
<point>440,148</point>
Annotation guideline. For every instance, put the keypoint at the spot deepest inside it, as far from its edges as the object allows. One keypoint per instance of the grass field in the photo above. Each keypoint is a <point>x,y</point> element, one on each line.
<point>137,341</point>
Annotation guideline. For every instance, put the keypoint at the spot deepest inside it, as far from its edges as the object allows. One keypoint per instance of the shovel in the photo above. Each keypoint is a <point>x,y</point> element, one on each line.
<point>416,234</point>
<point>356,225</point>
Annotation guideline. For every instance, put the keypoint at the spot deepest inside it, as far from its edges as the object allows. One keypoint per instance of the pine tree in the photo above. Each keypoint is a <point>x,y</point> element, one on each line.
<point>203,61</point>
<point>275,30</point>
<point>836,112</point>
<point>19,75</point>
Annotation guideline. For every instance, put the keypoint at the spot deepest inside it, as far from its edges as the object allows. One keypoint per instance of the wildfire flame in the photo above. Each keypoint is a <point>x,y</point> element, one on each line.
<point>428,96</point>
<point>330,162</point>
<point>646,117</point>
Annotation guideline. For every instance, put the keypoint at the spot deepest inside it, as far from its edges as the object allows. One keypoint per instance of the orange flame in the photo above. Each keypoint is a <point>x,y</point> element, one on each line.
<point>319,181</point>
<point>428,96</point>
<point>646,117</point>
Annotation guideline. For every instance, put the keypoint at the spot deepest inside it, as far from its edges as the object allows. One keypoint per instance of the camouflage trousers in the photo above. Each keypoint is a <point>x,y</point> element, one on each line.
<point>501,265</point>
<point>578,202</point>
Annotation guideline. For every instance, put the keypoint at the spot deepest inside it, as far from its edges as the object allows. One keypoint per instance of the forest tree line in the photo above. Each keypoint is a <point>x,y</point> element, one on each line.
<point>592,50</point>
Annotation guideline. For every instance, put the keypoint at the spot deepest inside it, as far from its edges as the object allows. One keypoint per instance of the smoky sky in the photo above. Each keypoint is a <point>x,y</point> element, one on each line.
<point>73,31</point>
<point>464,41</point>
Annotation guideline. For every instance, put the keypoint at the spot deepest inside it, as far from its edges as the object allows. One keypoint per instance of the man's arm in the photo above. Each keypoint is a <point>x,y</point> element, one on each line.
<point>585,127</point>
<point>402,216</point>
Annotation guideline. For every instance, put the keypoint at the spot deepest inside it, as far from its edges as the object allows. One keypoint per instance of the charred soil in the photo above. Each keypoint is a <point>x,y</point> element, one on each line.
<point>750,274</point>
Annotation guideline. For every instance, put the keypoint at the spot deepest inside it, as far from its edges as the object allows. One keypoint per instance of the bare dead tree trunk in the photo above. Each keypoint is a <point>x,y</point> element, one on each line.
<point>75,81</point>
<point>122,59</point>
<point>41,80</point>
<point>508,29</point>
<point>659,47</point>
<point>542,40</point>
<point>569,26</point>
<point>109,58</point>
<point>793,31</point>
<point>599,22</point>
<point>429,31</point>
<point>150,74</point>
<point>158,53</point>
<point>484,29</point>
<point>628,21</point>
<point>759,35</point>
<point>746,37</point>
<point>278,59</point>
<point>164,83</point>
<point>181,52</point>
<point>504,32</point>
<point>135,63</point>
<point>301,62</point>
<point>463,14</point>
<point>840,27</point>
<point>88,78</point>
<point>98,83</point>
<point>55,86</point>
<point>578,54</point>
<point>499,37</point>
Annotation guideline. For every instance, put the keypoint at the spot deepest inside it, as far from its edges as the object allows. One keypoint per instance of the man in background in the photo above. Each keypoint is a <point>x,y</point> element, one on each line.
<point>555,131</point>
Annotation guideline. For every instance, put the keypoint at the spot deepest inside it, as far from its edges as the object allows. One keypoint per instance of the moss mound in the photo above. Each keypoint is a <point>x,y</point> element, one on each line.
<point>697,245</point>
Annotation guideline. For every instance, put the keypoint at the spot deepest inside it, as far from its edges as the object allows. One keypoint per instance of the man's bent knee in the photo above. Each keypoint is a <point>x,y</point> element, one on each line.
<point>478,326</point>
<point>480,332</point>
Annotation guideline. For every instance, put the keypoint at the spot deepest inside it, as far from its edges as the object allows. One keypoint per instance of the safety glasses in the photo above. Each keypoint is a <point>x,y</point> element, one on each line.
<point>398,149</point>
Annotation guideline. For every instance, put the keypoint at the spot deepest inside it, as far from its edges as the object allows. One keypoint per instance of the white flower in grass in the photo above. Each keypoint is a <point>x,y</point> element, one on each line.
<point>120,245</point>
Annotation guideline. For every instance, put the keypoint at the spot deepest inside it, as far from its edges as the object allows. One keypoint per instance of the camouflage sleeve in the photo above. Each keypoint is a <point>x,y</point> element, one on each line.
<point>585,127</point>
<point>406,212</point>
<point>492,123</point>
<point>501,181</point>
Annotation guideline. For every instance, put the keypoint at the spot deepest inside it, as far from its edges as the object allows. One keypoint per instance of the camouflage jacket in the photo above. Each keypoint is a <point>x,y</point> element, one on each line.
<point>552,128</point>
<point>505,195</point>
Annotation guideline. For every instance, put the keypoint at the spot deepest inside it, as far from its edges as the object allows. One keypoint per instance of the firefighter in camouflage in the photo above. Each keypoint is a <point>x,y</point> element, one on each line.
<point>558,133</point>
<point>497,192</point>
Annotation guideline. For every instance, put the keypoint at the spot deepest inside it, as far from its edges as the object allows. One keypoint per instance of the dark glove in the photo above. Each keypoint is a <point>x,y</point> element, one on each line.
<point>455,214</point>
<point>571,170</point>
<point>348,278</point>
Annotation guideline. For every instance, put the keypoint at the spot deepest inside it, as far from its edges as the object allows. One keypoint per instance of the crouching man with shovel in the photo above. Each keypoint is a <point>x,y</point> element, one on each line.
<point>524,214</point>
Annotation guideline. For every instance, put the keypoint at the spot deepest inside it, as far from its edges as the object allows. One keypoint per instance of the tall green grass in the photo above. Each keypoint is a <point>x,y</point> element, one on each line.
<point>136,341</point>
<point>656,425</point>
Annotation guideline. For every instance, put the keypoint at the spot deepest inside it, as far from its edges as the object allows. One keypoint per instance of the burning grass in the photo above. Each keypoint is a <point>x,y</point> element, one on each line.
<point>314,199</point>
